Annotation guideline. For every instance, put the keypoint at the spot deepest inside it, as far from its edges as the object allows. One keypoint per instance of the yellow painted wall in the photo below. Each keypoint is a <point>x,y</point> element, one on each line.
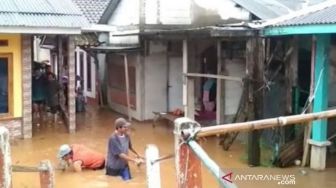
<point>14,47</point>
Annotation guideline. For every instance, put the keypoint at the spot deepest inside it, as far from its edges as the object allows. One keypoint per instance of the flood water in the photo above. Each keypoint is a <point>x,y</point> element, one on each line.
<point>95,127</point>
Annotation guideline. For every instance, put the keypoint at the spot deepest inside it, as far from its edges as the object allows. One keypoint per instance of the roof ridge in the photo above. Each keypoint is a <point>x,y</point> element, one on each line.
<point>299,13</point>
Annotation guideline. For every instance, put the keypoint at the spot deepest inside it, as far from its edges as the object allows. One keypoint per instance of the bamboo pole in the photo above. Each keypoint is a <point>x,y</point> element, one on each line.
<point>210,164</point>
<point>265,123</point>
<point>127,88</point>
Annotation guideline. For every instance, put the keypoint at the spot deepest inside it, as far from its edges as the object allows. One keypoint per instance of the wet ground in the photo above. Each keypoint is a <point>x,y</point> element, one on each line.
<point>94,128</point>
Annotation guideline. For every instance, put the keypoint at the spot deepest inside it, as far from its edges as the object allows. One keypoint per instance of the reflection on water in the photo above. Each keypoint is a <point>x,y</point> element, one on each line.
<point>94,129</point>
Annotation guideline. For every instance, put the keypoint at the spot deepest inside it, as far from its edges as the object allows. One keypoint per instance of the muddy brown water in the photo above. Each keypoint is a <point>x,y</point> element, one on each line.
<point>94,129</point>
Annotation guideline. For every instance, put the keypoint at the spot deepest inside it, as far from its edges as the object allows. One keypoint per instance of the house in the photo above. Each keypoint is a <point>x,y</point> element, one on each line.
<point>89,62</point>
<point>20,22</point>
<point>313,31</point>
<point>154,60</point>
<point>151,35</point>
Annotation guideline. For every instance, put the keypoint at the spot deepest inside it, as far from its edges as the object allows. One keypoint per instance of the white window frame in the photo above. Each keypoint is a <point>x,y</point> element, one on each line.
<point>87,93</point>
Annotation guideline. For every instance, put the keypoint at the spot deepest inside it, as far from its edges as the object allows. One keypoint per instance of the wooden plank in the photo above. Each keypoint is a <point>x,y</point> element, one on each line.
<point>190,113</point>
<point>307,130</point>
<point>229,78</point>
<point>188,166</point>
<point>185,70</point>
<point>127,88</point>
<point>220,95</point>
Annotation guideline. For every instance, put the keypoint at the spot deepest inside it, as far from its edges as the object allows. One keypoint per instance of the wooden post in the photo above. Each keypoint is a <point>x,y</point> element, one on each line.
<point>46,175</point>
<point>307,129</point>
<point>290,58</point>
<point>5,159</point>
<point>127,88</point>
<point>255,54</point>
<point>220,95</point>
<point>185,79</point>
<point>188,167</point>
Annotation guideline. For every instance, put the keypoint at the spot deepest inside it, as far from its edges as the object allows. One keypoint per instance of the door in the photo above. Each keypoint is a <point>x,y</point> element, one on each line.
<point>86,71</point>
<point>175,83</point>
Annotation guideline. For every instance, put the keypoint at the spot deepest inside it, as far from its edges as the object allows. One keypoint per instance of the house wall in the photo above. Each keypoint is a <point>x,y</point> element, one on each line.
<point>127,13</point>
<point>168,12</point>
<point>156,11</point>
<point>155,79</point>
<point>116,92</point>
<point>14,47</point>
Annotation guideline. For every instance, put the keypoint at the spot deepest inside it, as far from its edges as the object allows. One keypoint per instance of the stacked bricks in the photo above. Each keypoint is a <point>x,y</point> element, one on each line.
<point>26,86</point>
<point>72,85</point>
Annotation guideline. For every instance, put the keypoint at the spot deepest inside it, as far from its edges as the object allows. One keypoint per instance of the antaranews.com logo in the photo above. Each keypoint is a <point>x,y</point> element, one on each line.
<point>280,179</point>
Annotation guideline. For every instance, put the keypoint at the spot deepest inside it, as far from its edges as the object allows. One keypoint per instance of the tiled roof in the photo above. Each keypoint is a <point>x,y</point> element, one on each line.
<point>92,9</point>
<point>41,13</point>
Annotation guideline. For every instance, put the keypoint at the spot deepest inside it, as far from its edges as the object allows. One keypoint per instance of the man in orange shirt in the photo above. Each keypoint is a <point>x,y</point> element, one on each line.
<point>80,157</point>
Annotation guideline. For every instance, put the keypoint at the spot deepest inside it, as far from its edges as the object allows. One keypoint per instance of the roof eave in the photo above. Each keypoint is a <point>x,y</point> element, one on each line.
<point>300,30</point>
<point>40,30</point>
<point>109,11</point>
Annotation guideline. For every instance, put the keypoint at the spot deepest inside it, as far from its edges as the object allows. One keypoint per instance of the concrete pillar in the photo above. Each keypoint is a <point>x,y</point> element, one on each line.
<point>71,85</point>
<point>46,175</point>
<point>319,138</point>
<point>5,159</point>
<point>26,41</point>
<point>152,168</point>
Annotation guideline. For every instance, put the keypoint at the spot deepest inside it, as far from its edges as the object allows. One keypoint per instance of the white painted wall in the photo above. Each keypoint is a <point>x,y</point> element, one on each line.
<point>175,12</point>
<point>169,12</point>
<point>127,13</point>
<point>155,80</point>
<point>233,90</point>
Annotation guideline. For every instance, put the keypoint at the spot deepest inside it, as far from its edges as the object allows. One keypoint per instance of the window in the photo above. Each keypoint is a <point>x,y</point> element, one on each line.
<point>5,84</point>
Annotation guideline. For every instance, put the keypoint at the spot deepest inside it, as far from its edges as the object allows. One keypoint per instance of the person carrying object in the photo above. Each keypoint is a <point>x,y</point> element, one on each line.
<point>118,157</point>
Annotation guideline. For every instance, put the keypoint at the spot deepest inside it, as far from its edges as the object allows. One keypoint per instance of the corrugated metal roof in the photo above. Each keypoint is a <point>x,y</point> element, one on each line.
<point>264,9</point>
<point>41,13</point>
<point>322,13</point>
<point>92,9</point>
<point>298,4</point>
<point>324,16</point>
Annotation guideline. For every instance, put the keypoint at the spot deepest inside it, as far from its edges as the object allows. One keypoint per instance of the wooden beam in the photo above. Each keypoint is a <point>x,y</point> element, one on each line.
<point>220,95</point>
<point>185,79</point>
<point>307,129</point>
<point>265,123</point>
<point>188,166</point>
<point>127,88</point>
<point>222,77</point>
<point>191,99</point>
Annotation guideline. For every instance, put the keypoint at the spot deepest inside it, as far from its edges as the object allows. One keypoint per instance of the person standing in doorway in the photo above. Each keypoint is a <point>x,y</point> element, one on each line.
<point>53,88</point>
<point>39,81</point>
<point>117,153</point>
